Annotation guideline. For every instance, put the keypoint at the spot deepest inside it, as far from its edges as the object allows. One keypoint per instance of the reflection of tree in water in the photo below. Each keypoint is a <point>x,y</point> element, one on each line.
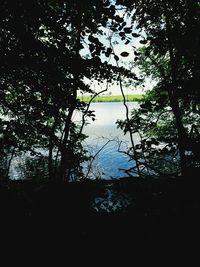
<point>105,160</point>
<point>111,200</point>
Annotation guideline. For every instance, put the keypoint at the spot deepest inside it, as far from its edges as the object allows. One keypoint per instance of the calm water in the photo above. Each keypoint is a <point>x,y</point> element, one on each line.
<point>104,136</point>
<point>103,142</point>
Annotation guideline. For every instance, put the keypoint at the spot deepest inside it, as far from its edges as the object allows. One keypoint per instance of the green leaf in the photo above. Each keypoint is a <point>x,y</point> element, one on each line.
<point>143,41</point>
<point>147,53</point>
<point>124,24</point>
<point>116,57</point>
<point>107,3</point>
<point>118,19</point>
<point>127,42</point>
<point>121,33</point>
<point>109,50</point>
<point>124,54</point>
<point>135,35</point>
<point>127,30</point>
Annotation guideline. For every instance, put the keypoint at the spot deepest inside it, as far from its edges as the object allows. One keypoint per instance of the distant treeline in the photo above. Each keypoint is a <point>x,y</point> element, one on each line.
<point>112,98</point>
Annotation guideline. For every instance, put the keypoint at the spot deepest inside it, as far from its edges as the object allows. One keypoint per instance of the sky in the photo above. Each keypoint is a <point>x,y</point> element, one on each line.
<point>114,88</point>
<point>118,47</point>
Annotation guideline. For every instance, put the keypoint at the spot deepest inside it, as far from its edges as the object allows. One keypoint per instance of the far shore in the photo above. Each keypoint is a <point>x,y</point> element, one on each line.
<point>112,98</point>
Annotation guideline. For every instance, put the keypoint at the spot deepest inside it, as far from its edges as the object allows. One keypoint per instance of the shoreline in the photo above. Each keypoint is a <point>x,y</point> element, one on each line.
<point>111,98</point>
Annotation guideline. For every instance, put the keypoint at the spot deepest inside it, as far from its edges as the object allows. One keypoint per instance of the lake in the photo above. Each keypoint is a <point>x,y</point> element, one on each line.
<point>104,138</point>
<point>103,143</point>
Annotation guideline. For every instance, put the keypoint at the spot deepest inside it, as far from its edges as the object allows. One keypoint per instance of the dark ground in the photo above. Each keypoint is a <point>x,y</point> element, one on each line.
<point>163,219</point>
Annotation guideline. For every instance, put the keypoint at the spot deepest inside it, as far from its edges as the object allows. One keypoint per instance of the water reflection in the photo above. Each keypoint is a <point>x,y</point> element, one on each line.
<point>104,142</point>
<point>110,161</point>
<point>111,201</point>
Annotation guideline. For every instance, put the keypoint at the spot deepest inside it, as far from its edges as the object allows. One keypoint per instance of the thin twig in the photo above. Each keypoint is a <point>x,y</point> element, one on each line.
<point>88,106</point>
<point>93,157</point>
<point>127,110</point>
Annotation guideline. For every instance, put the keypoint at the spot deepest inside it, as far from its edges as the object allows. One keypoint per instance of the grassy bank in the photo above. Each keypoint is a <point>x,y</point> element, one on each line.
<point>112,98</point>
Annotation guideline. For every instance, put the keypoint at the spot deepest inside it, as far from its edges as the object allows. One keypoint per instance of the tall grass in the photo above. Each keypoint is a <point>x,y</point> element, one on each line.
<point>112,98</point>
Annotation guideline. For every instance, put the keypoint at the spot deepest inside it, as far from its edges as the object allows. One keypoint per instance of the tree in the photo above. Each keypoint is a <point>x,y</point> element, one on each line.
<point>43,68</point>
<point>39,80</point>
<point>167,34</point>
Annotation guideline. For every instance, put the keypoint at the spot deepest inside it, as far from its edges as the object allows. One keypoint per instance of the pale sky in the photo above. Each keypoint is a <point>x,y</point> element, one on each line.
<point>118,48</point>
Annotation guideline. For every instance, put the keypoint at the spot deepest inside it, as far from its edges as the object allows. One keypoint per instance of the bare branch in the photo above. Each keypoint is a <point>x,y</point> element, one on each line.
<point>88,106</point>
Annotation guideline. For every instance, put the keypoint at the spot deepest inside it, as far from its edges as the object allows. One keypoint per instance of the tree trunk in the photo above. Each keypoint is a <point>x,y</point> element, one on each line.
<point>182,135</point>
<point>50,160</point>
<point>64,165</point>
<point>65,155</point>
<point>172,92</point>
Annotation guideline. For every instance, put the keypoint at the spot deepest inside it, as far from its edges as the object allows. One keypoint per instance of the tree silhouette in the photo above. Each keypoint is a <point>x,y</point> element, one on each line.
<point>172,59</point>
<point>43,68</point>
